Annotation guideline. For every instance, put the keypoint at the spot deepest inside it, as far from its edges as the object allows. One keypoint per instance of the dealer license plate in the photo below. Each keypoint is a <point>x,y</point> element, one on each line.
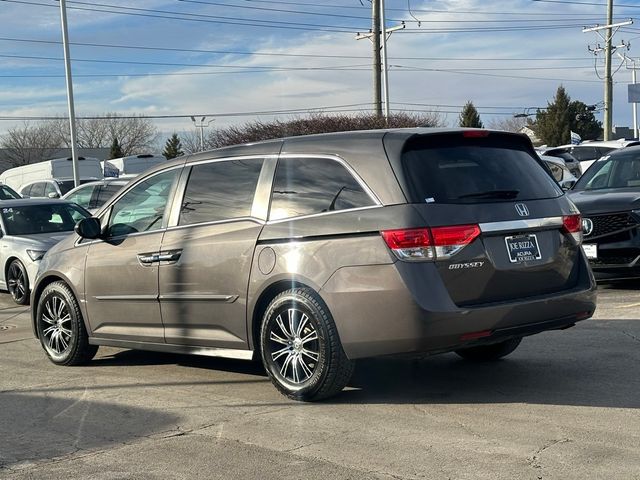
<point>523,248</point>
<point>590,250</point>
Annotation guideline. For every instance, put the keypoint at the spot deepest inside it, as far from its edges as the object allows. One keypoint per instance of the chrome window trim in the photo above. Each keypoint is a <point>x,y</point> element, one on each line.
<point>216,222</point>
<point>491,227</point>
<point>341,161</point>
<point>321,214</point>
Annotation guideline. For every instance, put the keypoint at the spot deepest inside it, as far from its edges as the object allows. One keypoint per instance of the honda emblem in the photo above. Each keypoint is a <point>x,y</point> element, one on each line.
<point>522,209</point>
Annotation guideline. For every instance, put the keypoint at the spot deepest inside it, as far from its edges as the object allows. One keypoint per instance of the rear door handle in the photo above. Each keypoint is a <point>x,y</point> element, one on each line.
<point>169,256</point>
<point>148,258</point>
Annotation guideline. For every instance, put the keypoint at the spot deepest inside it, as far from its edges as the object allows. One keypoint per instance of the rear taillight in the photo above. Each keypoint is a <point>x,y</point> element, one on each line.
<point>475,133</point>
<point>437,243</point>
<point>413,244</point>
<point>572,224</point>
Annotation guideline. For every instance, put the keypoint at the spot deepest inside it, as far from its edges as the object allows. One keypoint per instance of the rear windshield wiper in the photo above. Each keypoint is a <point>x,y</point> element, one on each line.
<point>508,194</point>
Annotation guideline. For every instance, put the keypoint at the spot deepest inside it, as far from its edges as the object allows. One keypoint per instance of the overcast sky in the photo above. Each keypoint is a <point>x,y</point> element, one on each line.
<point>213,57</point>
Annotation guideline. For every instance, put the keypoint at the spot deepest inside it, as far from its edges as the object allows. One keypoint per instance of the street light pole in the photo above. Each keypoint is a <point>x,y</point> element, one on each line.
<point>385,65</point>
<point>72,113</point>
<point>201,126</point>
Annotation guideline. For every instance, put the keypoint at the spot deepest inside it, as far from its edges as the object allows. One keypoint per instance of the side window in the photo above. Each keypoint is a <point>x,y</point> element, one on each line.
<point>49,187</point>
<point>220,191</point>
<point>304,186</point>
<point>82,196</point>
<point>26,191</point>
<point>37,190</point>
<point>142,208</point>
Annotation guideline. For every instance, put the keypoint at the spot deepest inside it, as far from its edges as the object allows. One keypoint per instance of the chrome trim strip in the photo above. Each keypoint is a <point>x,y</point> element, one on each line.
<point>218,222</point>
<point>172,348</point>
<point>281,220</point>
<point>528,224</point>
<point>127,298</point>
<point>187,297</point>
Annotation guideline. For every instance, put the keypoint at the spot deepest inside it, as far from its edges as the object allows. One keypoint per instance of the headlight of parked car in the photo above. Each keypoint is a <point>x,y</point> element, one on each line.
<point>36,254</point>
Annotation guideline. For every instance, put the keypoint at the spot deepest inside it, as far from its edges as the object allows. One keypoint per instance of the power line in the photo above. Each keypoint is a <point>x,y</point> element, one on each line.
<point>360,17</point>
<point>571,2</point>
<point>431,10</point>
<point>287,25</point>
<point>172,16</point>
<point>278,54</point>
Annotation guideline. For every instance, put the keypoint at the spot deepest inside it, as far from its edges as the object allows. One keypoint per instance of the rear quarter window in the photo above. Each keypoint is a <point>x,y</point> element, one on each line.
<point>453,169</point>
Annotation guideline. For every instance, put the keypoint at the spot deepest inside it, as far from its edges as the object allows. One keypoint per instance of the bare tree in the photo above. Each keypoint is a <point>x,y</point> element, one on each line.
<point>315,123</point>
<point>509,124</point>
<point>191,141</point>
<point>30,143</point>
<point>134,134</point>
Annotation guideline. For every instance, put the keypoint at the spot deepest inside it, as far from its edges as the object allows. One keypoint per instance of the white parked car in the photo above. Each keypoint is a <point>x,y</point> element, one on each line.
<point>93,195</point>
<point>588,152</point>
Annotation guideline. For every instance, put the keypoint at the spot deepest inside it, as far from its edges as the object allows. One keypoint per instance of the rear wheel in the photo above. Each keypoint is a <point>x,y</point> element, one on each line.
<point>300,347</point>
<point>488,353</point>
<point>18,282</point>
<point>61,328</point>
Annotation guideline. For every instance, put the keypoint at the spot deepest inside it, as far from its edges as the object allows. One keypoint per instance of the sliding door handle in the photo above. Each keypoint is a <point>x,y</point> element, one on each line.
<point>170,256</point>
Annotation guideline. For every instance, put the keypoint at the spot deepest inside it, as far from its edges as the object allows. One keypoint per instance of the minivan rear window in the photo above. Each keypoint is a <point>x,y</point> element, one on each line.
<point>455,169</point>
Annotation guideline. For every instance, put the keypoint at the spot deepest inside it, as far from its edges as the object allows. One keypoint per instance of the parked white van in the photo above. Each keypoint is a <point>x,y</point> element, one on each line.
<point>131,165</point>
<point>57,168</point>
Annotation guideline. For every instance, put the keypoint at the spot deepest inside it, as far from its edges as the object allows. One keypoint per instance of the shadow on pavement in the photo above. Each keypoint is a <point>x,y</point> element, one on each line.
<point>52,426</point>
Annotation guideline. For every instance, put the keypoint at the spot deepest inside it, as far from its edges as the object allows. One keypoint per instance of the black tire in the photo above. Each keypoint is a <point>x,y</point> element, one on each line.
<point>489,353</point>
<point>18,282</point>
<point>309,364</point>
<point>61,328</point>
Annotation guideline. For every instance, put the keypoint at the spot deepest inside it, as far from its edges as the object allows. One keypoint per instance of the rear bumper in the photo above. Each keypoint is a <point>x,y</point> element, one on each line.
<point>376,314</point>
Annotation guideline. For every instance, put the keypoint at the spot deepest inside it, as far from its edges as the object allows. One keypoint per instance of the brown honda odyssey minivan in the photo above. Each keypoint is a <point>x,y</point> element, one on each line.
<point>311,252</point>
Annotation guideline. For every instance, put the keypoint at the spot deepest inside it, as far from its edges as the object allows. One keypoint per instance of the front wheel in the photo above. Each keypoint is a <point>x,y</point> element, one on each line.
<point>18,282</point>
<point>61,328</point>
<point>487,353</point>
<point>300,347</point>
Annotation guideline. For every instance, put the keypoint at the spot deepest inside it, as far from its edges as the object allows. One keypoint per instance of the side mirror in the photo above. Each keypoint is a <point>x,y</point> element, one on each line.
<point>568,185</point>
<point>53,195</point>
<point>89,228</point>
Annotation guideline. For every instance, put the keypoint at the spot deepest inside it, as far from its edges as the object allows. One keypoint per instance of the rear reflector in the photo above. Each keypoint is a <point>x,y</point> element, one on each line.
<point>475,133</point>
<point>437,243</point>
<point>572,224</point>
<point>474,335</point>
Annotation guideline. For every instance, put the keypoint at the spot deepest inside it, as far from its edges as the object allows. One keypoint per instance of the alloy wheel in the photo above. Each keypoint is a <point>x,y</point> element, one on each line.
<point>294,347</point>
<point>16,282</point>
<point>56,324</point>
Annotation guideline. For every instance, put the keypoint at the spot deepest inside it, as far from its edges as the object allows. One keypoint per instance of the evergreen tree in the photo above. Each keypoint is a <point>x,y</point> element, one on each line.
<point>554,125</point>
<point>469,117</point>
<point>173,147</point>
<point>116,150</point>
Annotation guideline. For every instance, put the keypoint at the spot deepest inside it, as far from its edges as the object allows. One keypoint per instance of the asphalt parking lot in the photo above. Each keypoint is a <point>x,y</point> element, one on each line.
<point>565,405</point>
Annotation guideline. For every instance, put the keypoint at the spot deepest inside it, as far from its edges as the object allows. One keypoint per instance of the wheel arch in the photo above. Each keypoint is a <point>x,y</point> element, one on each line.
<point>7,263</point>
<point>39,288</point>
<point>263,301</point>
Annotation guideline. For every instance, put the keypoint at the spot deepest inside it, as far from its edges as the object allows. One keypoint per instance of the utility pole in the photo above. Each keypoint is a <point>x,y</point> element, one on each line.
<point>608,83</point>
<point>377,61</point>
<point>379,37</point>
<point>72,113</point>
<point>610,30</point>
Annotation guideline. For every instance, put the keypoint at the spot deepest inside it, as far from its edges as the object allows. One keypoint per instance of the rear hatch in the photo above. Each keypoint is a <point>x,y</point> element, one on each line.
<point>496,224</point>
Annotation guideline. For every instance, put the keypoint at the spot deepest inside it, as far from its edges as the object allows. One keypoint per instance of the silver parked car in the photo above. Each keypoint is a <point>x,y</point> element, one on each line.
<point>311,252</point>
<point>29,228</point>
<point>93,195</point>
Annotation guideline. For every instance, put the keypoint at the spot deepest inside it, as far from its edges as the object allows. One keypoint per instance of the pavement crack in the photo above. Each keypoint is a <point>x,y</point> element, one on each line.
<point>633,337</point>
<point>534,460</point>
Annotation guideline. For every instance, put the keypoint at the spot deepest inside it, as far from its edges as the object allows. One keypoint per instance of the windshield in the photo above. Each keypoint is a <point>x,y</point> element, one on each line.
<point>449,170</point>
<point>614,171</point>
<point>66,186</point>
<point>8,193</point>
<point>44,218</point>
